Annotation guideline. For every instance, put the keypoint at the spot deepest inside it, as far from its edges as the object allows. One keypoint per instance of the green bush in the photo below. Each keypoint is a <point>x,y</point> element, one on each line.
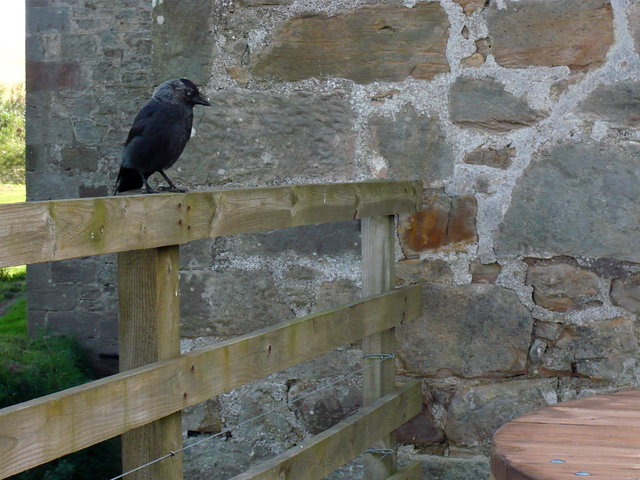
<point>12,135</point>
<point>33,367</point>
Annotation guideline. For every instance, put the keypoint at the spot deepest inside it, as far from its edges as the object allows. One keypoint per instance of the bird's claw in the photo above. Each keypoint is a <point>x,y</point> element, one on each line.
<point>172,189</point>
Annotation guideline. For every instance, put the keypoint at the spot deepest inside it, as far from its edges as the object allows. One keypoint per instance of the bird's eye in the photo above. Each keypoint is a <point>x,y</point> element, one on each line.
<point>189,93</point>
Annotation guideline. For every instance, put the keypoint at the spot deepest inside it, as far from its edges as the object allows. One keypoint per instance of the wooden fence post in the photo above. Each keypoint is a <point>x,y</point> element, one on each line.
<point>149,331</point>
<point>378,259</point>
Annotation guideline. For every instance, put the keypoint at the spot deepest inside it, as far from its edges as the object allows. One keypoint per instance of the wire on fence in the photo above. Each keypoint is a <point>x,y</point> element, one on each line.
<point>377,359</point>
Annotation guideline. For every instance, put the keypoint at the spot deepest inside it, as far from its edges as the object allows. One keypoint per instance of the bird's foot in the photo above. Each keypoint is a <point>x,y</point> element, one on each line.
<point>172,189</point>
<point>149,190</point>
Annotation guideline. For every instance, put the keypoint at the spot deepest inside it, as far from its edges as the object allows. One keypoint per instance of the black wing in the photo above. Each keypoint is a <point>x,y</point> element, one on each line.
<point>142,119</point>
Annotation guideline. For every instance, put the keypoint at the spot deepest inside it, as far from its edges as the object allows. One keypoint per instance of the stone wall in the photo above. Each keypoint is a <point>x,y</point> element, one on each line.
<point>521,118</point>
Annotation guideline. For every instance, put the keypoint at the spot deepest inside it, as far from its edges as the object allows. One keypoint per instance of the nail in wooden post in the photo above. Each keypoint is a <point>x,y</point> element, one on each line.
<point>149,331</point>
<point>378,259</point>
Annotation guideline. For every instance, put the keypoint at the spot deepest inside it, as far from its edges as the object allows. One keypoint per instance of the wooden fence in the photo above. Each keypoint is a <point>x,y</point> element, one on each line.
<point>144,401</point>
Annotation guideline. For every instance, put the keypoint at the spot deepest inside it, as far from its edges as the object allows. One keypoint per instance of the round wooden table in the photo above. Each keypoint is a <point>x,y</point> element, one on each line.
<point>596,437</point>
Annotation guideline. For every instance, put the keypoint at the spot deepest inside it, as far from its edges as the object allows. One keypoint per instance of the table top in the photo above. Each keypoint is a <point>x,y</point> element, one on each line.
<point>596,437</point>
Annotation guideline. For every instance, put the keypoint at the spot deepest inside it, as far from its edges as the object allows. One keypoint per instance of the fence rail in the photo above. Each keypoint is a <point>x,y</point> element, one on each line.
<point>144,401</point>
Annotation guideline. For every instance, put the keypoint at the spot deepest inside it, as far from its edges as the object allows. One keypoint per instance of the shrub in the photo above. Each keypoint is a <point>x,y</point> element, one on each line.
<point>12,135</point>
<point>33,367</point>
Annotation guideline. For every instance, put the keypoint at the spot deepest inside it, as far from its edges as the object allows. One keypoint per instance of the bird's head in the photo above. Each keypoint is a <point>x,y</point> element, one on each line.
<point>180,91</point>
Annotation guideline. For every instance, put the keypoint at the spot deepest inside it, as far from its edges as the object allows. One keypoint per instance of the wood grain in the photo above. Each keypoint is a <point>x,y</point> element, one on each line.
<point>323,453</point>
<point>36,232</point>
<point>378,260</point>
<point>43,429</point>
<point>599,435</point>
<point>149,331</point>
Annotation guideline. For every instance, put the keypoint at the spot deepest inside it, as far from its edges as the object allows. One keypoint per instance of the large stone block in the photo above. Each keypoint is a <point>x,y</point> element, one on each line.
<point>625,292</point>
<point>413,145</point>
<point>561,285</point>
<point>253,137</point>
<point>633,15</point>
<point>476,412</point>
<point>617,104</point>
<point>53,75</point>
<point>182,44</point>
<point>576,33</point>
<point>469,331</point>
<point>371,43</point>
<point>229,303</point>
<point>576,199</point>
<point>601,350</point>
<point>326,239</point>
<point>485,104</point>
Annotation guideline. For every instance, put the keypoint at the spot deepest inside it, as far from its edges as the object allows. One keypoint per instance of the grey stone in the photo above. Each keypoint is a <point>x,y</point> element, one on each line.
<point>602,350</point>
<point>229,303</point>
<point>324,239</point>
<point>413,145</point>
<point>41,19</point>
<point>204,417</point>
<point>79,158</point>
<point>322,410</point>
<point>633,13</point>
<point>484,104</point>
<point>568,197</point>
<point>226,457</point>
<point>416,271</point>
<point>576,33</point>
<point>274,138</point>
<point>339,292</point>
<point>476,412</point>
<point>618,104</point>
<point>182,45</point>
<point>626,293</point>
<point>453,468</point>
<point>277,428</point>
<point>469,331</point>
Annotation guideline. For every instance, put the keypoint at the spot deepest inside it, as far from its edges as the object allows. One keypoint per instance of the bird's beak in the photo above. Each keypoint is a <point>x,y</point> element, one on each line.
<point>200,100</point>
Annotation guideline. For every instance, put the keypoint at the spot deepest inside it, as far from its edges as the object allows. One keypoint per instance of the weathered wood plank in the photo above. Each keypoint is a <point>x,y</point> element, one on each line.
<point>36,232</point>
<point>149,331</point>
<point>378,261</point>
<point>40,430</point>
<point>334,447</point>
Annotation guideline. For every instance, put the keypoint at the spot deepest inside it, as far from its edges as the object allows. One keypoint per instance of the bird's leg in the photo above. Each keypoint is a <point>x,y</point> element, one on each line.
<point>172,187</point>
<point>146,184</point>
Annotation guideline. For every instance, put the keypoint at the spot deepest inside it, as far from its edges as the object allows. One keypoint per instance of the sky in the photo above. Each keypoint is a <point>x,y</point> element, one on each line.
<point>12,41</point>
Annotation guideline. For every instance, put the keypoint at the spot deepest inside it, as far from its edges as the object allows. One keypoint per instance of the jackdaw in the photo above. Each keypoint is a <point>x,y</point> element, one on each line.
<point>159,134</point>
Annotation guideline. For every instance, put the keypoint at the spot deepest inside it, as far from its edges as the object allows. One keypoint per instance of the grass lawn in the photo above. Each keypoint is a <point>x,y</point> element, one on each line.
<point>12,193</point>
<point>13,306</point>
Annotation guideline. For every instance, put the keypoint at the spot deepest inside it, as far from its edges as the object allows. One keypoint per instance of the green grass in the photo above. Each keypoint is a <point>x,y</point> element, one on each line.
<point>10,193</point>
<point>12,287</point>
<point>14,321</point>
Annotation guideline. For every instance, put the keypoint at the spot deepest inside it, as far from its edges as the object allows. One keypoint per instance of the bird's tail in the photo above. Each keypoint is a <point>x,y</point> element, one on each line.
<point>128,179</point>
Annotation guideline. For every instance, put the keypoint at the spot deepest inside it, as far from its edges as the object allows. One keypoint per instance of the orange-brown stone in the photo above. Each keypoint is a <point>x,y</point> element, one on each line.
<point>445,225</point>
<point>371,43</point>
<point>576,33</point>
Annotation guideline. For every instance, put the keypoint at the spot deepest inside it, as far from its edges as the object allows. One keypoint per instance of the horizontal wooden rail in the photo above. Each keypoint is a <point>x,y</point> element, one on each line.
<point>336,446</point>
<point>46,428</point>
<point>37,232</point>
